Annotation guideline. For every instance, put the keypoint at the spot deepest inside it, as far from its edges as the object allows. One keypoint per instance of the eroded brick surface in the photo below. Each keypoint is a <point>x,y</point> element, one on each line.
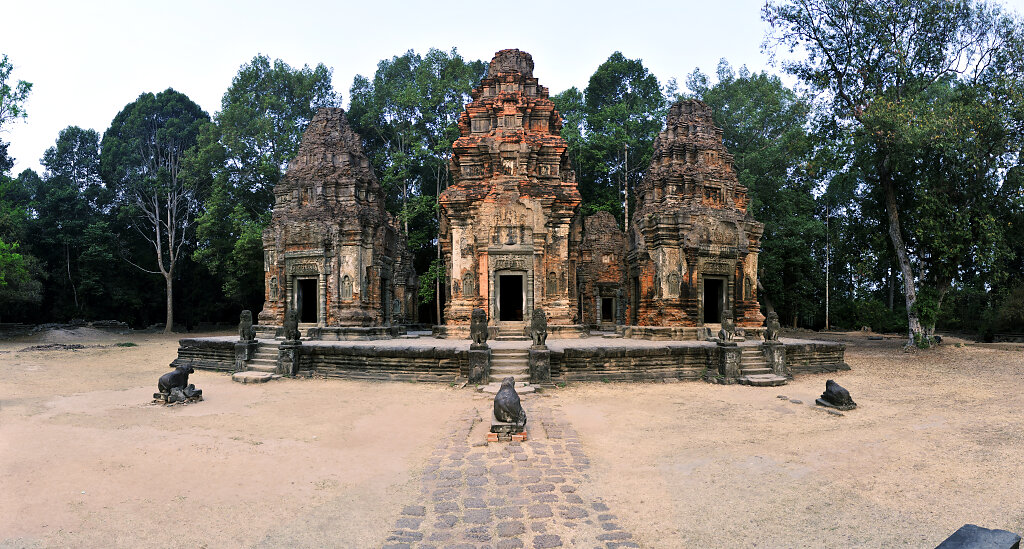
<point>331,236</point>
<point>513,208</point>
<point>691,226</point>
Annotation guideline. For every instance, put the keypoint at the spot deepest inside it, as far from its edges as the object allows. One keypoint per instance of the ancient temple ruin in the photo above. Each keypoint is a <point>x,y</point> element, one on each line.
<point>509,219</point>
<point>331,251</point>
<point>692,243</point>
<point>602,272</point>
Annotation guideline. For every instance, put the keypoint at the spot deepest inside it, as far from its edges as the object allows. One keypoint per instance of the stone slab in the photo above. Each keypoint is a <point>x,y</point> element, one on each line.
<point>763,380</point>
<point>254,377</point>
<point>827,404</point>
<point>970,536</point>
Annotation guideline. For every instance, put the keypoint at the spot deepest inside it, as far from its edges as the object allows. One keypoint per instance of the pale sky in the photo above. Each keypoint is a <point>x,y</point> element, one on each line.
<point>87,60</point>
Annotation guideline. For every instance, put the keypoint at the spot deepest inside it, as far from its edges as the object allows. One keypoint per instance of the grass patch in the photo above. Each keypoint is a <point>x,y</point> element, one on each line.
<point>126,344</point>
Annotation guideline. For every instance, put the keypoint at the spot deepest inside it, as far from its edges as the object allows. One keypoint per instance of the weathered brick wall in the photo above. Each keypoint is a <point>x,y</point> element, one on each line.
<point>330,224</point>
<point>602,267</point>
<point>691,223</point>
<point>513,205</point>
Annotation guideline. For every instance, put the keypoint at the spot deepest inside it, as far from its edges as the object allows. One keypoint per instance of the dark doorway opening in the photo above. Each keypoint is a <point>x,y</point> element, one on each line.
<point>714,292</point>
<point>510,300</point>
<point>607,309</point>
<point>307,300</point>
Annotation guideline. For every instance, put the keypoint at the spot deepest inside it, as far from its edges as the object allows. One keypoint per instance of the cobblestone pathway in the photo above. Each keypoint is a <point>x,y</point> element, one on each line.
<point>506,495</point>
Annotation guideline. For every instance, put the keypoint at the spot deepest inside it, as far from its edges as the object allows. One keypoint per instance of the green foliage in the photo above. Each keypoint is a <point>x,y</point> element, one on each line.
<point>622,105</point>
<point>12,95</point>
<point>141,163</point>
<point>241,156</point>
<point>926,97</point>
<point>429,281</point>
<point>408,117</point>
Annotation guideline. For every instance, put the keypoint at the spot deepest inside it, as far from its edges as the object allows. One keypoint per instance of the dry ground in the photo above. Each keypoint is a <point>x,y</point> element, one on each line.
<point>86,461</point>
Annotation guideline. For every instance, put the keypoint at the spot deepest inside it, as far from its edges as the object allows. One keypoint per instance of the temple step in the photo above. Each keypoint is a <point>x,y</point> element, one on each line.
<point>755,371</point>
<point>261,365</point>
<point>763,380</point>
<point>510,362</point>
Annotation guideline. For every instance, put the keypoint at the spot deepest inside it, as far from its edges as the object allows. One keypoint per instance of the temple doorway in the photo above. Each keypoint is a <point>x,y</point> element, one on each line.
<point>306,301</point>
<point>607,309</point>
<point>714,300</point>
<point>510,297</point>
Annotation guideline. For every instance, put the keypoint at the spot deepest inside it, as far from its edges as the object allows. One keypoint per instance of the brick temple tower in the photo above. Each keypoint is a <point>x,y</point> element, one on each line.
<point>693,245</point>
<point>331,250</point>
<point>509,220</point>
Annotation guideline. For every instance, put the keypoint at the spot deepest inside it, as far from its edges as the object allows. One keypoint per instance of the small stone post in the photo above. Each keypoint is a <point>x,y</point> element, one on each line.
<point>289,351</point>
<point>479,352</point>
<point>775,353</point>
<point>246,344</point>
<point>729,354</point>
<point>540,365</point>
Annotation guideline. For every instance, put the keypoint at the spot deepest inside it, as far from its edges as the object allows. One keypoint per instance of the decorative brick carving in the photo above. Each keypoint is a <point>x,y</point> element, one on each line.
<point>513,208</point>
<point>329,228</point>
<point>691,233</point>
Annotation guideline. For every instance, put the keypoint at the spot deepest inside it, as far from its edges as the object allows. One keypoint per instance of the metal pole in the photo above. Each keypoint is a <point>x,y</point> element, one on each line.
<point>625,186</point>
<point>827,265</point>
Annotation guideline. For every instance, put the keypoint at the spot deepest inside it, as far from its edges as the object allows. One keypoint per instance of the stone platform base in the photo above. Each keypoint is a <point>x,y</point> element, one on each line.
<point>555,331</point>
<point>507,437</point>
<point>335,333</point>
<point>254,377</point>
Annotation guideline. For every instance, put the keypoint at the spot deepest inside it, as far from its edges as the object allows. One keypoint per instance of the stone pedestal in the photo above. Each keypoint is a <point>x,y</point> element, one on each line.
<point>288,357</point>
<point>479,363</point>
<point>729,360</point>
<point>775,355</point>
<point>540,365</point>
<point>243,353</point>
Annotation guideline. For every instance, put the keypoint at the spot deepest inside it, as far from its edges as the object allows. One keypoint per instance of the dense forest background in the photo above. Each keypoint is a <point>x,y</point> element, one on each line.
<point>889,178</point>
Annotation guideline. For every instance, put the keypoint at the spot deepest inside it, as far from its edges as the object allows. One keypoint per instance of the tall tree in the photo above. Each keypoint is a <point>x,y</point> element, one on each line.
<point>875,63</point>
<point>408,117</point>
<point>69,224</point>
<point>141,163</point>
<point>622,106</point>
<point>19,271</point>
<point>242,155</point>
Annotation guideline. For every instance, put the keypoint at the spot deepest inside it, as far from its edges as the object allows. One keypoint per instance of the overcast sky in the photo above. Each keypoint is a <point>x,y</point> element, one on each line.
<point>87,60</point>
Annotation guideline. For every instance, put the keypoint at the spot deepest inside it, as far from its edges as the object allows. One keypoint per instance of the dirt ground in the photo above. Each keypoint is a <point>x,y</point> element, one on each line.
<point>87,461</point>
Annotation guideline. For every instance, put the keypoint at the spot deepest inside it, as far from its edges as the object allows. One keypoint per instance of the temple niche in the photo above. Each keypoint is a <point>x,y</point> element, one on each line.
<point>331,251</point>
<point>602,272</point>
<point>510,219</point>
<point>692,243</point>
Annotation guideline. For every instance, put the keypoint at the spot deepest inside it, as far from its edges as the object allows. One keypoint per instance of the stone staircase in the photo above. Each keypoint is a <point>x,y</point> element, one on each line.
<point>510,333</point>
<point>752,361</point>
<point>262,367</point>
<point>754,369</point>
<point>510,362</point>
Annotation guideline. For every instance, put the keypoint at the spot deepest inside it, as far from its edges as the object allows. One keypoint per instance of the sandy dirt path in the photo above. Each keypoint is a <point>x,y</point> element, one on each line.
<point>86,461</point>
<point>936,442</point>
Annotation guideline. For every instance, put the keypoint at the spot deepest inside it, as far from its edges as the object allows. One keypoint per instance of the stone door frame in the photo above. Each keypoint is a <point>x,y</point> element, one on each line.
<point>495,295</point>
<point>727,302</point>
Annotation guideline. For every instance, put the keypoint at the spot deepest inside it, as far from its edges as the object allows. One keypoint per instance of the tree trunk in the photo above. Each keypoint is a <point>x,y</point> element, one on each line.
<point>895,234</point>
<point>169,327</point>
